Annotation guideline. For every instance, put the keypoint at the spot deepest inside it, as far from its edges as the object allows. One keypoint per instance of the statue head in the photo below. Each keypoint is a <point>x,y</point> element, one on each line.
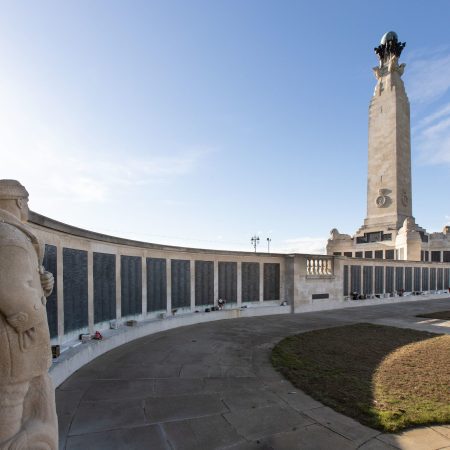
<point>409,224</point>
<point>14,199</point>
<point>334,233</point>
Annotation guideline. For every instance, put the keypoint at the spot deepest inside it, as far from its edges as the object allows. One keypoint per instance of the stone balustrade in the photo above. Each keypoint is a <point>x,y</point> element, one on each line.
<point>319,266</point>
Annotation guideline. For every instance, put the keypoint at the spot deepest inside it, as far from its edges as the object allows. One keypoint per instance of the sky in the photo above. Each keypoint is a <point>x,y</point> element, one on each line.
<point>204,123</point>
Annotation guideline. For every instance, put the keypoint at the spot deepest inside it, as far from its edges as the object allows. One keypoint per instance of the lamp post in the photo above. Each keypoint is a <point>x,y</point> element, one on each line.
<point>268,244</point>
<point>255,241</point>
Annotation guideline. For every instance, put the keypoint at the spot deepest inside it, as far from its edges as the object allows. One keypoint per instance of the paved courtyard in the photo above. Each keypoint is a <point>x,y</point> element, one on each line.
<point>211,386</point>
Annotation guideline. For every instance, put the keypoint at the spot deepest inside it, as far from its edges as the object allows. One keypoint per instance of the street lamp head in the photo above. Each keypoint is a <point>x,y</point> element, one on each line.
<point>255,241</point>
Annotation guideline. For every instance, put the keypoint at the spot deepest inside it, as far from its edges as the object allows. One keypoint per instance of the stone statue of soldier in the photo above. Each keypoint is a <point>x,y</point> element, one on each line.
<point>27,399</point>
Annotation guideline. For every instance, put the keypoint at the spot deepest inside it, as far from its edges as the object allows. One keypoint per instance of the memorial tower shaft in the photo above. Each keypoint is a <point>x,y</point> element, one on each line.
<point>389,160</point>
<point>390,231</point>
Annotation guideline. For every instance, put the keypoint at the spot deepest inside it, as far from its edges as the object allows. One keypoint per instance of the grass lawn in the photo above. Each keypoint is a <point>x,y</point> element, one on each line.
<point>387,378</point>
<point>443,315</point>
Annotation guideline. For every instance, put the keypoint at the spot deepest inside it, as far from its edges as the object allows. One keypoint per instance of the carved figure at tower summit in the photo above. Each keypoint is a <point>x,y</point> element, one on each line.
<point>27,401</point>
<point>388,52</point>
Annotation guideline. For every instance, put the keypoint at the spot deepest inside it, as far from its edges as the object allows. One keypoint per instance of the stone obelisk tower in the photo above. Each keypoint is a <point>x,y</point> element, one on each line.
<point>390,231</point>
<point>389,168</point>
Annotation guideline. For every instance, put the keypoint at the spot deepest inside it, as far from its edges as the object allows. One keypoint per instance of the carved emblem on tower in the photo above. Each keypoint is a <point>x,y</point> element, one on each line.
<point>382,200</point>
<point>404,199</point>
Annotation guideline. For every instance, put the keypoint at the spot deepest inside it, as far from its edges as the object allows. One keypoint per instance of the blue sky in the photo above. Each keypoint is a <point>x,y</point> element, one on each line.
<point>201,123</point>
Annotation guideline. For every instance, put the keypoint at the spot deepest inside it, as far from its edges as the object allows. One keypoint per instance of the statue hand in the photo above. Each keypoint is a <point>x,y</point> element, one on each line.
<point>19,321</point>
<point>47,282</point>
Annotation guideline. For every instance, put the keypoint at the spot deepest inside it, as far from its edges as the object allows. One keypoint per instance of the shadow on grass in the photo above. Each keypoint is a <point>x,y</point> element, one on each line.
<point>387,378</point>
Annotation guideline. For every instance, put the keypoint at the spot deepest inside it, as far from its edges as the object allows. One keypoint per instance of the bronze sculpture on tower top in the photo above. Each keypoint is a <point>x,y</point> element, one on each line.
<point>389,46</point>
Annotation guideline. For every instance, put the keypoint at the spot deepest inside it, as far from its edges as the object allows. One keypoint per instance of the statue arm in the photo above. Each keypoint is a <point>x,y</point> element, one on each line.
<point>47,282</point>
<point>377,73</point>
<point>20,301</point>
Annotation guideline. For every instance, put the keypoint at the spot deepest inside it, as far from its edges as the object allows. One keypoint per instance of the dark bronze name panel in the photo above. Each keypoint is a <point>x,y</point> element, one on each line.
<point>271,281</point>
<point>417,279</point>
<point>250,282</point>
<point>346,290</point>
<point>131,285</point>
<point>408,279</point>
<point>228,281</point>
<point>356,278</point>
<point>389,280</point>
<point>181,283</point>
<point>204,282</point>
<point>156,284</point>
<point>367,279</point>
<point>379,279</point>
<point>75,287</point>
<point>399,285</point>
<point>425,279</point>
<point>104,287</point>
<point>440,279</point>
<point>433,279</point>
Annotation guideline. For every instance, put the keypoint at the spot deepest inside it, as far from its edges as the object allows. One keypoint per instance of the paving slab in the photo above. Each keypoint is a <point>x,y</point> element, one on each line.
<point>75,383</point>
<point>312,437</point>
<point>164,409</point>
<point>66,406</point>
<point>200,371</point>
<point>245,445</point>
<point>100,416</point>
<point>443,429</point>
<point>114,390</point>
<point>249,399</point>
<point>178,386</point>
<point>417,439</point>
<point>376,444</point>
<point>297,399</point>
<point>345,426</point>
<point>141,371</point>
<point>141,438</point>
<point>139,356</point>
<point>223,384</point>
<point>211,432</point>
<point>257,423</point>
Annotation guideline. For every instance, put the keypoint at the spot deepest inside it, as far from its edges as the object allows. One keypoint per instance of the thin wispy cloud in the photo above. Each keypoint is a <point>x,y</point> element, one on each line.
<point>313,245</point>
<point>53,162</point>
<point>432,137</point>
<point>428,88</point>
<point>429,76</point>
<point>87,177</point>
<point>439,114</point>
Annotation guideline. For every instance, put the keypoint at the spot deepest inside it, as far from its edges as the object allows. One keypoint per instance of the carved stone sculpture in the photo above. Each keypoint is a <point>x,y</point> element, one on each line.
<point>27,401</point>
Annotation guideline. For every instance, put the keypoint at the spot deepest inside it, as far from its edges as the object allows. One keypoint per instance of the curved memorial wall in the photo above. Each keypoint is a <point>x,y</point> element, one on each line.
<point>127,289</point>
<point>103,281</point>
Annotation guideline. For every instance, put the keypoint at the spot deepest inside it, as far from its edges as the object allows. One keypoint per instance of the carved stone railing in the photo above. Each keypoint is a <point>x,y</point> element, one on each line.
<point>319,266</point>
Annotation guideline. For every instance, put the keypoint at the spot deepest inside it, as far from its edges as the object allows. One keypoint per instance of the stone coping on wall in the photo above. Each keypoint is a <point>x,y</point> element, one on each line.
<point>77,354</point>
<point>54,225</point>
